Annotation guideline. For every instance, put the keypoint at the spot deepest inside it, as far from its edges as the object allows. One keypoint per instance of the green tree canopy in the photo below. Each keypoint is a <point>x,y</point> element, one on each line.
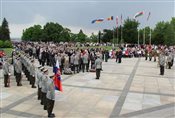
<point>4,30</point>
<point>130,33</point>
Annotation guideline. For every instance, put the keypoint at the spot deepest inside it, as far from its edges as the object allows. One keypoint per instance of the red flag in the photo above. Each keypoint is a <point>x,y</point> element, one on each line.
<point>57,78</point>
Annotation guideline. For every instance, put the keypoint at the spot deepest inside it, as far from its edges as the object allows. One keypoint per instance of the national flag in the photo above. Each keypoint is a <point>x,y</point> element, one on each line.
<point>97,20</point>
<point>138,14</point>
<point>57,77</point>
<point>121,19</point>
<point>110,18</point>
<point>117,21</point>
<point>148,16</point>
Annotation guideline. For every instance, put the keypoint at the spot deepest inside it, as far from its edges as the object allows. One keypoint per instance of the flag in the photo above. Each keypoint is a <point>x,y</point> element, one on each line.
<point>121,19</point>
<point>57,77</point>
<point>110,18</point>
<point>97,20</point>
<point>148,16</point>
<point>138,14</point>
<point>117,21</point>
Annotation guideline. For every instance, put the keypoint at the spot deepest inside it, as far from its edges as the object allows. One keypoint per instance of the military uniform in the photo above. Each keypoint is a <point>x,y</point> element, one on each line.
<point>45,78</point>
<point>169,60</point>
<point>32,74</point>
<point>39,75</point>
<point>50,97</point>
<point>85,62</point>
<point>6,72</point>
<point>162,63</point>
<point>18,70</point>
<point>98,66</point>
<point>76,63</point>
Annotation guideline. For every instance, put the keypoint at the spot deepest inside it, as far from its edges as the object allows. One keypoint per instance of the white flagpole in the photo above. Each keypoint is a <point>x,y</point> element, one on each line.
<point>138,38</point>
<point>150,37</point>
<point>144,37</point>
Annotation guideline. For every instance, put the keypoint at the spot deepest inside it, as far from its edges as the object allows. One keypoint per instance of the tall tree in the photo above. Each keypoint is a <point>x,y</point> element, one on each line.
<point>130,33</point>
<point>32,33</point>
<point>52,32</point>
<point>81,37</point>
<point>4,30</point>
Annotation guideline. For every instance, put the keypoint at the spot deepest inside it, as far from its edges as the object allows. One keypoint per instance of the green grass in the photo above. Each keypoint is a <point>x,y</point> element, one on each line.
<point>104,47</point>
<point>8,51</point>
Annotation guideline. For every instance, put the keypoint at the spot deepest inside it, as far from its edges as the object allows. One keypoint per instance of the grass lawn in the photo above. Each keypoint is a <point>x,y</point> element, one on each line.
<point>104,47</point>
<point>8,51</point>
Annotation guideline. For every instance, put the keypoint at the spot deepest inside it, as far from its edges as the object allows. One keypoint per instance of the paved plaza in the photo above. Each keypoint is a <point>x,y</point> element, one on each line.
<point>133,88</point>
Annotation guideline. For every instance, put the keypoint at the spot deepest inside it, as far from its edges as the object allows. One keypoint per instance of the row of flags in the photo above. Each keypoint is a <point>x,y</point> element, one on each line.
<point>99,20</point>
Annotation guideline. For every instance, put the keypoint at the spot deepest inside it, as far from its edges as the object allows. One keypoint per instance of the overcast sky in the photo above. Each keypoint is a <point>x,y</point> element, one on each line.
<point>78,14</point>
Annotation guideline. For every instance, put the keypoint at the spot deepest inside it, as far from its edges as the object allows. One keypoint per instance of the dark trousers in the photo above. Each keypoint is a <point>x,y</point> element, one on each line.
<point>169,65</point>
<point>119,60</point>
<point>18,78</point>
<point>76,67</point>
<point>150,58</point>
<point>98,73</point>
<point>44,100</point>
<point>161,70</point>
<point>83,67</point>
<point>32,80</point>
<point>6,81</point>
<point>50,105</point>
<point>146,57</point>
<point>39,93</point>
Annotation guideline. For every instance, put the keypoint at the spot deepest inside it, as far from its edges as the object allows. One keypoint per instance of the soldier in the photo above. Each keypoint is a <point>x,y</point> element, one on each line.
<point>76,63</point>
<point>6,72</point>
<point>146,54</point>
<point>169,60</point>
<point>45,78</point>
<point>50,97</point>
<point>162,62</point>
<point>18,70</point>
<point>85,62</point>
<point>98,66</point>
<point>39,75</point>
<point>32,74</point>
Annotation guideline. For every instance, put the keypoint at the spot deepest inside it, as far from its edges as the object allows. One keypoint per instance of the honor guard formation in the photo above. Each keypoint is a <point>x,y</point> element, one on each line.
<point>72,60</point>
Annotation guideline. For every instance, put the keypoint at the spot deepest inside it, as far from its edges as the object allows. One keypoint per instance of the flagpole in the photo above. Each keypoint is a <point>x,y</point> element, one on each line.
<point>138,38</point>
<point>150,37</point>
<point>113,38</point>
<point>117,35</point>
<point>144,37</point>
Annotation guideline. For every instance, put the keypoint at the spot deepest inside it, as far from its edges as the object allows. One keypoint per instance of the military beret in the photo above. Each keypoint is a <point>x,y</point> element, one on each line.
<point>42,68</point>
<point>45,70</point>
<point>39,67</point>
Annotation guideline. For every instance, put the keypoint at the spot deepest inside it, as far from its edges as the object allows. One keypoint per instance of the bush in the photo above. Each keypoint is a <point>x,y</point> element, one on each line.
<point>5,44</point>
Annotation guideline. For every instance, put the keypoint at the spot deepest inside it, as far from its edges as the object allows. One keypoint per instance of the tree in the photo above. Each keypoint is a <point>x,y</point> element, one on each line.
<point>93,37</point>
<point>158,33</point>
<point>4,30</point>
<point>65,35</point>
<point>32,33</point>
<point>81,37</point>
<point>130,32</point>
<point>107,35</point>
<point>52,32</point>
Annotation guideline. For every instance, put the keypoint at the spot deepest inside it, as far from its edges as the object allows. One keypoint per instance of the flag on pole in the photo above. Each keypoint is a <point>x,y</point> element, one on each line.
<point>117,21</point>
<point>148,16</point>
<point>121,19</point>
<point>110,18</point>
<point>57,77</point>
<point>97,20</point>
<point>138,14</point>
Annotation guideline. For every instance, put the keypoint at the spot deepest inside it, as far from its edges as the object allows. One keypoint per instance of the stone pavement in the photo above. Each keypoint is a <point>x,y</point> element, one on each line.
<point>133,88</point>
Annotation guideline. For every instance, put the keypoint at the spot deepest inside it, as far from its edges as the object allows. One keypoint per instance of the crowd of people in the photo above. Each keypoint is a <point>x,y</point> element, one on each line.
<point>72,60</point>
